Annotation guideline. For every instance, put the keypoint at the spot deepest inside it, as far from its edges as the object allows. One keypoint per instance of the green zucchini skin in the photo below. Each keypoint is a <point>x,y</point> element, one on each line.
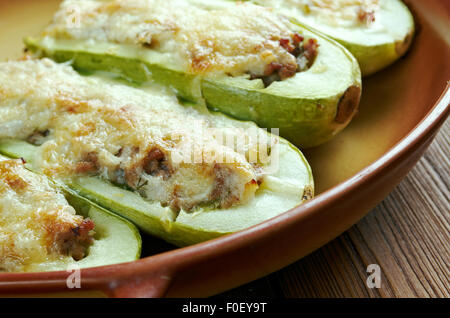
<point>116,239</point>
<point>372,55</point>
<point>193,227</point>
<point>309,108</point>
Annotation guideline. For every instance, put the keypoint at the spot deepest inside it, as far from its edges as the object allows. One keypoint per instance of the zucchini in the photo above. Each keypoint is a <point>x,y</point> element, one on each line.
<point>308,108</point>
<point>116,240</point>
<point>290,186</point>
<point>375,44</point>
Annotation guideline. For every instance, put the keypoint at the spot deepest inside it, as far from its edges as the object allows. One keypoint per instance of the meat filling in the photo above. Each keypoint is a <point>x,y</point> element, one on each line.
<point>75,241</point>
<point>305,53</point>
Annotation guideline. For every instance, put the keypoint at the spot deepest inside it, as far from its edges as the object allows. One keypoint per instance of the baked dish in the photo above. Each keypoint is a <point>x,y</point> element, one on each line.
<point>150,113</point>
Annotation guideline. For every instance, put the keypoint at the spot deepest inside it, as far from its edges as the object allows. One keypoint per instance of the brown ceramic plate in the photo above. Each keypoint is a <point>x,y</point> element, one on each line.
<point>402,109</point>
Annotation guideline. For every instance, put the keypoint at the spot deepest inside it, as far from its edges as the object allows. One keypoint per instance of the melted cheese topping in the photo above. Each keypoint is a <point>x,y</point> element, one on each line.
<point>130,136</point>
<point>231,39</point>
<point>33,219</point>
<point>342,13</point>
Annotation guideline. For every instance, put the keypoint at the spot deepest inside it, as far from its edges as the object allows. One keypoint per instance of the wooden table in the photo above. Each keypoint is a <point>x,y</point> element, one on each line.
<point>407,235</point>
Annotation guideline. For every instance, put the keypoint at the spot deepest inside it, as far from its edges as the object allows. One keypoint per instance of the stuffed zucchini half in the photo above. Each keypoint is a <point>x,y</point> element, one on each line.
<point>376,32</point>
<point>46,228</point>
<point>241,59</point>
<point>180,174</point>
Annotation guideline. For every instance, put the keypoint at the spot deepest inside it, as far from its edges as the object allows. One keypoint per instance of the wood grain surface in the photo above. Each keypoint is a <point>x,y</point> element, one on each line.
<point>407,235</point>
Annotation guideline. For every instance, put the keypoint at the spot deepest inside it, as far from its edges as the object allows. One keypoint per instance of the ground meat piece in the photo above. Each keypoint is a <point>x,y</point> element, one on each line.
<point>297,38</point>
<point>286,44</point>
<point>76,240</point>
<point>223,193</point>
<point>287,71</point>
<point>305,52</point>
<point>155,164</point>
<point>310,51</point>
<point>89,164</point>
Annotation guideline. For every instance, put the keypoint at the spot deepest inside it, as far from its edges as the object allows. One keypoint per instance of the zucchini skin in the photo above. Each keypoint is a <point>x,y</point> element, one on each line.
<point>307,120</point>
<point>373,59</point>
